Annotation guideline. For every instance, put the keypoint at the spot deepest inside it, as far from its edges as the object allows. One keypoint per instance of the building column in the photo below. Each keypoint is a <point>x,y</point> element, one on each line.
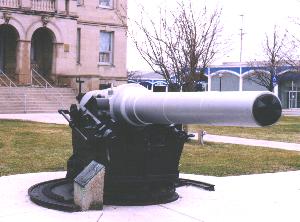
<point>23,62</point>
<point>57,61</point>
<point>209,83</point>
<point>276,90</point>
<point>73,7</point>
<point>61,6</point>
<point>241,83</point>
<point>26,4</point>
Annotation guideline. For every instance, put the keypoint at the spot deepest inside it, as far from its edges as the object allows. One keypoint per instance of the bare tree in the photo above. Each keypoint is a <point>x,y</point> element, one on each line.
<point>278,53</point>
<point>181,44</point>
<point>133,74</point>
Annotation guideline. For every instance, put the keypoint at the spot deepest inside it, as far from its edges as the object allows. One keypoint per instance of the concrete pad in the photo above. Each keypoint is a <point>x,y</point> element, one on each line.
<point>16,206</point>
<point>37,117</point>
<point>252,142</point>
<point>265,197</point>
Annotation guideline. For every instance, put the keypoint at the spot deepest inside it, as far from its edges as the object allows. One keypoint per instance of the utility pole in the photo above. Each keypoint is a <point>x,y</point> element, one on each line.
<point>242,34</point>
<point>241,51</point>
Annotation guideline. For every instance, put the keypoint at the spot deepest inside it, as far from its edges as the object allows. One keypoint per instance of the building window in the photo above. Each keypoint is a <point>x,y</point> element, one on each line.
<point>106,3</point>
<point>106,47</point>
<point>78,45</point>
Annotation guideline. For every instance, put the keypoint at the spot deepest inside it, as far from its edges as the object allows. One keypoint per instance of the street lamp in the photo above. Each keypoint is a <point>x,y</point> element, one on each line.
<point>220,77</point>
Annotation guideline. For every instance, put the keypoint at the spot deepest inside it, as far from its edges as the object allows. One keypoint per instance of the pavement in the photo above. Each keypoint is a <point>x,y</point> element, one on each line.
<point>37,117</point>
<point>252,142</point>
<point>263,197</point>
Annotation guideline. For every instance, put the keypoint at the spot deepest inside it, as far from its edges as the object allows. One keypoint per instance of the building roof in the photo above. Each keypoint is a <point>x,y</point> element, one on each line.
<point>289,76</point>
<point>147,76</point>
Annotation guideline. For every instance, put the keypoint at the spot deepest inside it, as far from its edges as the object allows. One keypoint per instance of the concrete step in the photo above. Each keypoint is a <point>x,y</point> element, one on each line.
<point>28,89</point>
<point>37,99</point>
<point>13,100</point>
<point>28,111</point>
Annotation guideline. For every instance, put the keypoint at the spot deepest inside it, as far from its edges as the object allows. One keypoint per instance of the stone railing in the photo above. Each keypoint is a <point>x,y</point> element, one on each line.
<point>43,5</point>
<point>48,6</point>
<point>10,3</point>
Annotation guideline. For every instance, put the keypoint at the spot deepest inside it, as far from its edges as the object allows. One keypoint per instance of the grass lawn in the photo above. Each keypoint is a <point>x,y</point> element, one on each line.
<point>229,159</point>
<point>35,147</point>
<point>286,130</point>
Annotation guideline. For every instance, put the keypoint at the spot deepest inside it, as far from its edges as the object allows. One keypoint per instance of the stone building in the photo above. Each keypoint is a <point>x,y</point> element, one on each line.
<point>64,39</point>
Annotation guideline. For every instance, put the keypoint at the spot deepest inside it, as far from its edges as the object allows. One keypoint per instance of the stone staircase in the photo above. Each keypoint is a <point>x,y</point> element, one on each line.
<point>35,100</point>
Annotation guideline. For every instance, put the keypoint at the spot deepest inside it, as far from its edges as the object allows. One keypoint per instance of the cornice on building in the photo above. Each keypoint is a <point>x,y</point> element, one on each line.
<point>118,78</point>
<point>39,13</point>
<point>93,23</point>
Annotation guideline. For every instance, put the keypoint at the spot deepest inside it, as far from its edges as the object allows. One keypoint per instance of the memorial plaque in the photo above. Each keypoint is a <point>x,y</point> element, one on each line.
<point>88,187</point>
<point>88,173</point>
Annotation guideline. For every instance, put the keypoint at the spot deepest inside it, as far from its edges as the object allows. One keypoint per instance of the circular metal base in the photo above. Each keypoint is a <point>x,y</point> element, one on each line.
<point>58,194</point>
<point>140,194</point>
<point>54,194</point>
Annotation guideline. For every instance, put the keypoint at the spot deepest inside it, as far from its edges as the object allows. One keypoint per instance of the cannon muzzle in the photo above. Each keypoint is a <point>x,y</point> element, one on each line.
<point>138,106</point>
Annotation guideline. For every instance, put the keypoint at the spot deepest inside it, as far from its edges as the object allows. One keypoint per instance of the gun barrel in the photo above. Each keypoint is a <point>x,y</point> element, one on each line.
<point>139,106</point>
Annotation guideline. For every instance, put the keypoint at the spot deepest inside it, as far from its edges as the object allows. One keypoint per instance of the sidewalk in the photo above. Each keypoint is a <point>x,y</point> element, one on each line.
<point>252,142</point>
<point>264,197</point>
<point>37,117</point>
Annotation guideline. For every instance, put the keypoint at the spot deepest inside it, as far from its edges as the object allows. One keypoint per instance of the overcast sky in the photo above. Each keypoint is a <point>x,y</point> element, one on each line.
<point>259,18</point>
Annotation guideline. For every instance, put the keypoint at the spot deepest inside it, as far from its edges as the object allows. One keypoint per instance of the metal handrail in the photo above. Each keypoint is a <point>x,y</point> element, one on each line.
<point>3,82</point>
<point>11,83</point>
<point>46,85</point>
<point>36,80</point>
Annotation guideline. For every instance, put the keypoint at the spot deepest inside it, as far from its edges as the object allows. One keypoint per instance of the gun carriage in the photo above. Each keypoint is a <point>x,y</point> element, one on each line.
<point>136,134</point>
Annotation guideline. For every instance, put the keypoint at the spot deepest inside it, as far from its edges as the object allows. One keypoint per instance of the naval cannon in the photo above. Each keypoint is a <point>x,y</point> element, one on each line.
<point>136,134</point>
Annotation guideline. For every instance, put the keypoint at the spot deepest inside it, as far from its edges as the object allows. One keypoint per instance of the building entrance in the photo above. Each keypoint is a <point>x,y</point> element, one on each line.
<point>42,51</point>
<point>8,48</point>
<point>1,53</point>
<point>294,99</point>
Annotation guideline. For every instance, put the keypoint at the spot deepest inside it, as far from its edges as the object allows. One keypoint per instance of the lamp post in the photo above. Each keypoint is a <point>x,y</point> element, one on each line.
<point>220,78</point>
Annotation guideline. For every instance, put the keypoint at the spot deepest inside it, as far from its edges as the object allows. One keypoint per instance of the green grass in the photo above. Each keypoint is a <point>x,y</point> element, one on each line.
<point>229,159</point>
<point>35,147</point>
<point>286,130</point>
